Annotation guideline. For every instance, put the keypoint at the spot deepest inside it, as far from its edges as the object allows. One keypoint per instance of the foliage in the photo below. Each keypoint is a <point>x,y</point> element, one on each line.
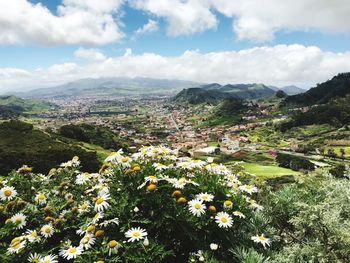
<point>312,218</point>
<point>21,144</point>
<point>295,163</point>
<point>98,135</point>
<point>177,202</point>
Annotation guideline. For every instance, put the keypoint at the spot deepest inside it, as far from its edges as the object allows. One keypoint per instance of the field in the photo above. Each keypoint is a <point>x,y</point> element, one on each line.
<point>268,171</point>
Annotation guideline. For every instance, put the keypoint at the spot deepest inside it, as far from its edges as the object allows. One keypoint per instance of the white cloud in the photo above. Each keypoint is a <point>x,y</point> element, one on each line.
<point>76,22</point>
<point>275,65</point>
<point>150,27</point>
<point>183,17</point>
<point>89,53</point>
<point>256,20</point>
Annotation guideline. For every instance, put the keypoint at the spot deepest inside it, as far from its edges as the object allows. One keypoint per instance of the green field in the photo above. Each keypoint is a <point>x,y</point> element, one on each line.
<point>268,171</point>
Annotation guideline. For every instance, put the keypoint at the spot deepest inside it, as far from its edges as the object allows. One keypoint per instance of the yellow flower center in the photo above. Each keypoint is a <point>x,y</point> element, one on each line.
<point>7,192</point>
<point>85,240</point>
<point>223,219</point>
<point>47,230</point>
<point>125,159</point>
<point>90,228</point>
<point>136,234</point>
<point>17,245</point>
<point>248,187</point>
<point>99,200</point>
<point>152,177</point>
<point>112,243</point>
<point>83,206</point>
<point>41,196</point>
<point>18,221</point>
<point>45,261</point>
<point>228,203</point>
<point>15,241</point>
<point>72,250</point>
<point>34,234</point>
<point>262,238</point>
<point>197,206</point>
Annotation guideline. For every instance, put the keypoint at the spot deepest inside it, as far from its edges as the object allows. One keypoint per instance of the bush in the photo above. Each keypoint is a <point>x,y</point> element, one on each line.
<point>174,205</point>
<point>294,162</point>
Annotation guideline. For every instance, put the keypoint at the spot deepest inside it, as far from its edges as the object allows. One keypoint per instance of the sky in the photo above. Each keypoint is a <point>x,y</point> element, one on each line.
<point>47,43</point>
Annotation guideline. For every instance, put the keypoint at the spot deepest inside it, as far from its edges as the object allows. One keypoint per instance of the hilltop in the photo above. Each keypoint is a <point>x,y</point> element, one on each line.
<point>337,87</point>
<point>214,93</point>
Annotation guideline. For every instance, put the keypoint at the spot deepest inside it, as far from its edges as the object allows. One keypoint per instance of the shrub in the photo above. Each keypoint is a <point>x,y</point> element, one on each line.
<point>294,162</point>
<point>151,206</point>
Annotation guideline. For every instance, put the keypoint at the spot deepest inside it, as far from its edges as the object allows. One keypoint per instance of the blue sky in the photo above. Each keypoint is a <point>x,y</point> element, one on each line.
<point>211,29</point>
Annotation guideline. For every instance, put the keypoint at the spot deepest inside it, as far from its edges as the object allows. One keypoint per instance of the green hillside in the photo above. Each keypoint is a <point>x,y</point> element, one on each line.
<point>21,143</point>
<point>199,95</point>
<point>337,87</point>
<point>12,106</point>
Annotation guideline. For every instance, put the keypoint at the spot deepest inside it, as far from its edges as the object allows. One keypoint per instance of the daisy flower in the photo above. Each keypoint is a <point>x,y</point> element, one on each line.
<point>248,189</point>
<point>262,240</point>
<point>32,236</point>
<point>87,241</point>
<point>101,202</point>
<point>135,234</point>
<point>7,193</point>
<point>84,207</point>
<point>196,207</point>
<point>159,166</point>
<point>34,258</point>
<point>49,259</point>
<point>113,247</point>
<point>106,223</point>
<point>239,214</point>
<point>228,204</point>
<point>19,220</point>
<point>82,178</point>
<point>41,199</point>
<point>97,217</point>
<point>205,197</point>
<point>71,252</point>
<point>16,245</point>
<point>223,219</point>
<point>47,230</point>
<point>214,246</point>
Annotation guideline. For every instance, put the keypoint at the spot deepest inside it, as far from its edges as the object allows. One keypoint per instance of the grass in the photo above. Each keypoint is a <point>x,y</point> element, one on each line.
<point>268,171</point>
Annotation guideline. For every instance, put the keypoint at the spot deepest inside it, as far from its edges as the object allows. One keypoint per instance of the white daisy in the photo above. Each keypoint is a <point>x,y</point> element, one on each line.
<point>97,217</point>
<point>223,219</point>
<point>106,223</point>
<point>71,252</point>
<point>159,166</point>
<point>135,234</point>
<point>87,241</point>
<point>49,259</point>
<point>47,230</point>
<point>7,193</point>
<point>196,207</point>
<point>101,203</point>
<point>34,258</point>
<point>16,245</point>
<point>19,220</point>
<point>41,199</point>
<point>113,247</point>
<point>239,214</point>
<point>32,236</point>
<point>84,207</point>
<point>82,178</point>
<point>262,240</point>
<point>248,188</point>
<point>205,197</point>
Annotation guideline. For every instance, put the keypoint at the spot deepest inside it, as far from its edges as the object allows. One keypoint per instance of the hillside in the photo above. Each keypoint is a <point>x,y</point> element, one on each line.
<point>21,144</point>
<point>337,87</point>
<point>199,95</point>
<point>12,106</point>
<point>112,86</point>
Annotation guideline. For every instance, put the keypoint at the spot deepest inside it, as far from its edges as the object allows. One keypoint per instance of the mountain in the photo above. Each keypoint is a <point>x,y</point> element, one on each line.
<point>112,87</point>
<point>337,87</point>
<point>214,93</point>
<point>199,95</point>
<point>12,106</point>
<point>289,90</point>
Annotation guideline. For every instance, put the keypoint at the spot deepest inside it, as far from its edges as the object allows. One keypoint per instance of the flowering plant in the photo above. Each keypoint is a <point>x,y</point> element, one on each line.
<point>150,206</point>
